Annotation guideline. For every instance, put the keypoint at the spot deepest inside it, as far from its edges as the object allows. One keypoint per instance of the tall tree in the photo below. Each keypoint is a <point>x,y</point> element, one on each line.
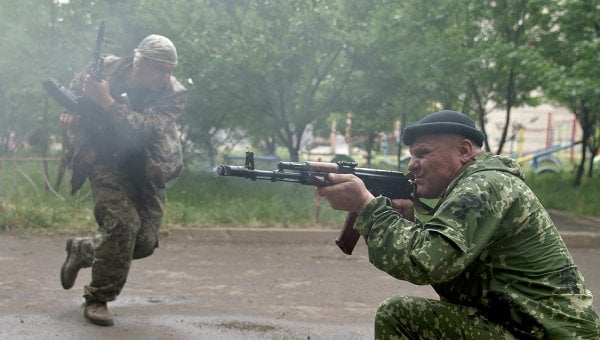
<point>569,36</point>
<point>283,65</point>
<point>503,70</point>
<point>398,61</point>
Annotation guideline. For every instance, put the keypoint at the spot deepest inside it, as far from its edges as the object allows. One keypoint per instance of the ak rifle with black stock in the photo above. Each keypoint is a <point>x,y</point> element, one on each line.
<point>391,184</point>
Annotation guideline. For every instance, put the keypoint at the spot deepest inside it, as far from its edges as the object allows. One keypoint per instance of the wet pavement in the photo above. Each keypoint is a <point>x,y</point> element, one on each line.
<point>223,284</point>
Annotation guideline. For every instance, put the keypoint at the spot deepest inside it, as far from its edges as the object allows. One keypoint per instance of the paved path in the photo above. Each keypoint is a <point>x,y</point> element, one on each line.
<point>213,284</point>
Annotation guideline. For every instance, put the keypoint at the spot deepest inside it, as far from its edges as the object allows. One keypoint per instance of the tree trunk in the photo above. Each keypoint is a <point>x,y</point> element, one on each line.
<point>400,135</point>
<point>44,142</point>
<point>584,122</point>
<point>510,94</point>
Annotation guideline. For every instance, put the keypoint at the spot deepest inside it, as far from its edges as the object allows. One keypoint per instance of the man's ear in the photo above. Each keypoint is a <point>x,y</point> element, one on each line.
<point>466,149</point>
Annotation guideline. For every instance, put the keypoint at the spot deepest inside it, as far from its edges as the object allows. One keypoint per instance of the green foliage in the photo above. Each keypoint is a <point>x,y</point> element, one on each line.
<point>264,71</point>
<point>50,214</point>
<point>198,200</point>
<point>205,200</point>
<point>26,202</point>
<point>557,191</point>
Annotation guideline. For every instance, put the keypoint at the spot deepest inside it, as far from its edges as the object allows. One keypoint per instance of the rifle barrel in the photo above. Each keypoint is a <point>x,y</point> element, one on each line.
<point>273,176</point>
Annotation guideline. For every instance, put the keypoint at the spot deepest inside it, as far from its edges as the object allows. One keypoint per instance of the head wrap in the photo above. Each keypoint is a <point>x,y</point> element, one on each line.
<point>159,48</point>
<point>443,122</point>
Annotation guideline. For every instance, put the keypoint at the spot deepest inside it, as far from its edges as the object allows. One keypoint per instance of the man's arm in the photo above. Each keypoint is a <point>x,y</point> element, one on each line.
<point>154,120</point>
<point>97,91</point>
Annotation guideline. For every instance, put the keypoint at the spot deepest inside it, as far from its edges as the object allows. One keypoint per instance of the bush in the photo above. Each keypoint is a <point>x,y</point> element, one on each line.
<point>207,200</point>
<point>556,191</point>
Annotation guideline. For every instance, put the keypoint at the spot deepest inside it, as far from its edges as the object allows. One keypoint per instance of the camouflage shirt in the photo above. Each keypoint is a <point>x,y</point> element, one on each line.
<point>490,245</point>
<point>140,132</point>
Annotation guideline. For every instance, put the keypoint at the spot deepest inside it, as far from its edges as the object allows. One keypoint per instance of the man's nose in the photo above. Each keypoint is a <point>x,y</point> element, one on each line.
<point>412,164</point>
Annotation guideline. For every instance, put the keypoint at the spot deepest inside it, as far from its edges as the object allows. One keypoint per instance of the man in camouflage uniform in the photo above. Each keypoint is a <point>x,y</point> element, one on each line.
<point>128,146</point>
<point>489,248</point>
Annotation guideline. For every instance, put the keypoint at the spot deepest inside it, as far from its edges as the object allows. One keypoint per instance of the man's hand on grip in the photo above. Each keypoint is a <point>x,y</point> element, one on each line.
<point>347,192</point>
<point>68,119</point>
<point>98,92</point>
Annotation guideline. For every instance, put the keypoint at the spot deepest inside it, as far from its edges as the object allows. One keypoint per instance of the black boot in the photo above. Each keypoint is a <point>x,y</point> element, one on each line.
<point>72,265</point>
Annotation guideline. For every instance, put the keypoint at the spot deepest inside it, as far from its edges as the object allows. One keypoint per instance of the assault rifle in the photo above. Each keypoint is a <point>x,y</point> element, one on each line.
<point>91,122</point>
<point>63,95</point>
<point>96,69</point>
<point>391,184</point>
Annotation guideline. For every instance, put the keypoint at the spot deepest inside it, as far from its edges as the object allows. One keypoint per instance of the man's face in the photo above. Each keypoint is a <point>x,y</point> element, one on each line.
<point>153,75</point>
<point>436,160</point>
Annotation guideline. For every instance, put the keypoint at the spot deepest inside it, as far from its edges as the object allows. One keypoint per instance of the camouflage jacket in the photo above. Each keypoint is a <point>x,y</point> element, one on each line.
<point>490,245</point>
<point>140,132</point>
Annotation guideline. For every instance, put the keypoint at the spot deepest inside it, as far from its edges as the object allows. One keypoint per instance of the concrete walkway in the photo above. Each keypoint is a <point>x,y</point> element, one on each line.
<point>577,232</point>
<point>225,284</point>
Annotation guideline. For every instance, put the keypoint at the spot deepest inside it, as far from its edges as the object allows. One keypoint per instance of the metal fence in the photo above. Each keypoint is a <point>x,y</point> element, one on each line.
<point>33,177</point>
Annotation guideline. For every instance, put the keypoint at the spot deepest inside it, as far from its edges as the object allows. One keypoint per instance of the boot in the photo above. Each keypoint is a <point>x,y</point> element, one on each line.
<point>98,313</point>
<point>72,265</point>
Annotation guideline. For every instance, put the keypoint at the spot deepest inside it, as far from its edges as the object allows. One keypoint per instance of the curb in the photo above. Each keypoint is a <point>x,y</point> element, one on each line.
<point>253,235</point>
<point>566,221</point>
<point>581,239</point>
<point>573,239</point>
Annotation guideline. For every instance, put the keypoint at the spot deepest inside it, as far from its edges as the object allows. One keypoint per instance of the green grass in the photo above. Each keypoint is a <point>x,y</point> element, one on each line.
<point>556,191</point>
<point>206,200</point>
<point>197,200</point>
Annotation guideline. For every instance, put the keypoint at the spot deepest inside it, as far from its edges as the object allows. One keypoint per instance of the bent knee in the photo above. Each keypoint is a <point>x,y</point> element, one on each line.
<point>393,305</point>
<point>144,250</point>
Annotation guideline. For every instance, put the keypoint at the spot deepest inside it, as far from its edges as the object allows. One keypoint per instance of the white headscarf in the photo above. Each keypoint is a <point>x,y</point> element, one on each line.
<point>157,47</point>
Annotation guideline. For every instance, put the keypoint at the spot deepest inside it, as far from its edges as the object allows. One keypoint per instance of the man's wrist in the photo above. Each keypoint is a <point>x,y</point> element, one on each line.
<point>108,104</point>
<point>364,202</point>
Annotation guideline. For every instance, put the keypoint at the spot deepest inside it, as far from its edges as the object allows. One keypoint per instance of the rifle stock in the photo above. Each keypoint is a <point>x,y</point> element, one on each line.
<point>391,184</point>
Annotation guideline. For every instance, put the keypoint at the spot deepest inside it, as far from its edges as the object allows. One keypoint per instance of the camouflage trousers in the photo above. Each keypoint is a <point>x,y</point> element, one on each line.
<point>401,317</point>
<point>128,211</point>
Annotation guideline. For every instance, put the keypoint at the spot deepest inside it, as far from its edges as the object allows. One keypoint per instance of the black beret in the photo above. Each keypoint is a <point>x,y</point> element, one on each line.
<point>450,122</point>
